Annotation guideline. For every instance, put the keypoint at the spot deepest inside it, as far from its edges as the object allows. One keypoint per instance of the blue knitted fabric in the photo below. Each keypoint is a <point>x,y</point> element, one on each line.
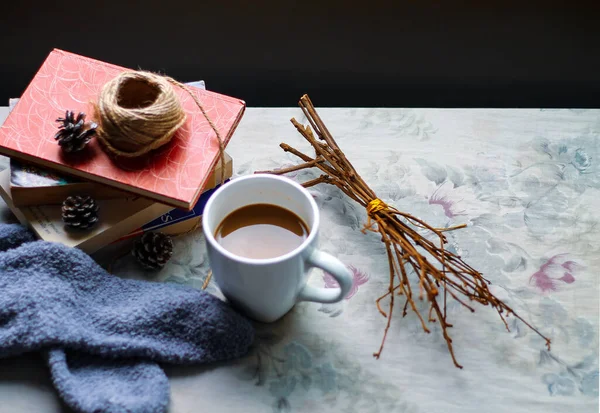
<point>103,335</point>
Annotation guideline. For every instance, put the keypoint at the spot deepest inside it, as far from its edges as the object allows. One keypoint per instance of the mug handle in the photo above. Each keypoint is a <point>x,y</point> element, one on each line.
<point>337,270</point>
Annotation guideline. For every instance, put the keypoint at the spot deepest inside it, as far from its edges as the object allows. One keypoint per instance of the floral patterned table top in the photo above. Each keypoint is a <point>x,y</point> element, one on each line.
<point>526,183</point>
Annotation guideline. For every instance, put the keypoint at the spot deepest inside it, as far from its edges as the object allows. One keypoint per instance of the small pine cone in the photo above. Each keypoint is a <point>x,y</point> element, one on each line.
<point>80,212</point>
<point>73,133</point>
<point>153,250</point>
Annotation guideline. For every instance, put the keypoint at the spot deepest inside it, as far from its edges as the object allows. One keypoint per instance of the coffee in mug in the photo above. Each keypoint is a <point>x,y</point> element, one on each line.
<point>261,231</point>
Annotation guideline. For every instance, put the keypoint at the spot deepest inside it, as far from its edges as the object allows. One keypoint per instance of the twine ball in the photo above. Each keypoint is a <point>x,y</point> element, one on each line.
<point>138,112</point>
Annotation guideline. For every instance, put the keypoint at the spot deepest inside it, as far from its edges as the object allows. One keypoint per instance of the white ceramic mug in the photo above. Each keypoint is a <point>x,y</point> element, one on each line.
<point>266,289</point>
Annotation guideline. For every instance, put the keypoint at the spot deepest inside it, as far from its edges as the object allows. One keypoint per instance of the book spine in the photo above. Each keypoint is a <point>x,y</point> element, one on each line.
<point>175,216</point>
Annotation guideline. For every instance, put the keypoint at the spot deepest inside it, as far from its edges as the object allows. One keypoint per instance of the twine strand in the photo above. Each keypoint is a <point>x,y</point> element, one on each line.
<point>210,122</point>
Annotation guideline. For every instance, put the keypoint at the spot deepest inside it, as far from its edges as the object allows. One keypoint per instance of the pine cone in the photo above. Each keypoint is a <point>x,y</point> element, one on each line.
<point>153,250</point>
<point>79,212</point>
<point>74,133</point>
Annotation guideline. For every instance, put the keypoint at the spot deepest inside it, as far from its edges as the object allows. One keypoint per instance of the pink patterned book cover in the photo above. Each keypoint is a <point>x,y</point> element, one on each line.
<point>174,174</point>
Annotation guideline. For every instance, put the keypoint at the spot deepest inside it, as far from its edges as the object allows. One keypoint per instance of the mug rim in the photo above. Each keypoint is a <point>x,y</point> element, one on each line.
<point>261,261</point>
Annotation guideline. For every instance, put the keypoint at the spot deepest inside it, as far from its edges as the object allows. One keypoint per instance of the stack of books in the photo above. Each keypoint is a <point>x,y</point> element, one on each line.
<point>165,191</point>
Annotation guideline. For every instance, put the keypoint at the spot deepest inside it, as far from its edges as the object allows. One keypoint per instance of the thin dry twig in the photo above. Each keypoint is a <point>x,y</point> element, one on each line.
<point>400,234</point>
<point>207,280</point>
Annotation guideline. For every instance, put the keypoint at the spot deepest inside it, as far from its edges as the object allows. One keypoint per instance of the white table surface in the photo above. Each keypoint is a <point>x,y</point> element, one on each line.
<point>526,182</point>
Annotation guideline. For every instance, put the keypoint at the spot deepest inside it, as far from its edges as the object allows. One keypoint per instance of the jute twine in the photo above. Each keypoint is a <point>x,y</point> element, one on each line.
<point>139,111</point>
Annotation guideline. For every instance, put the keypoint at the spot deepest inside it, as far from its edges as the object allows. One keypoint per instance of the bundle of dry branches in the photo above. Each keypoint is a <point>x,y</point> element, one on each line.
<point>439,272</point>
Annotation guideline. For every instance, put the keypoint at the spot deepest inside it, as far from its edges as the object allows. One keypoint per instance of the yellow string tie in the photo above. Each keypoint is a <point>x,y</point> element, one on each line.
<point>375,206</point>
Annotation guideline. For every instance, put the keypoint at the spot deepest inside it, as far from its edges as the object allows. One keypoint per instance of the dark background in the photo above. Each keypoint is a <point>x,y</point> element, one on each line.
<point>411,53</point>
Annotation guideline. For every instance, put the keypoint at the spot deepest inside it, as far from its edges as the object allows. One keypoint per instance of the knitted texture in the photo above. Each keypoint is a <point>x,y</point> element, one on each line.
<point>102,334</point>
<point>94,384</point>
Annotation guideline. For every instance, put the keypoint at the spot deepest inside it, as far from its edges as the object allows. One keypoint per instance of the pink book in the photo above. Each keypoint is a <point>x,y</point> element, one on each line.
<point>175,174</point>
